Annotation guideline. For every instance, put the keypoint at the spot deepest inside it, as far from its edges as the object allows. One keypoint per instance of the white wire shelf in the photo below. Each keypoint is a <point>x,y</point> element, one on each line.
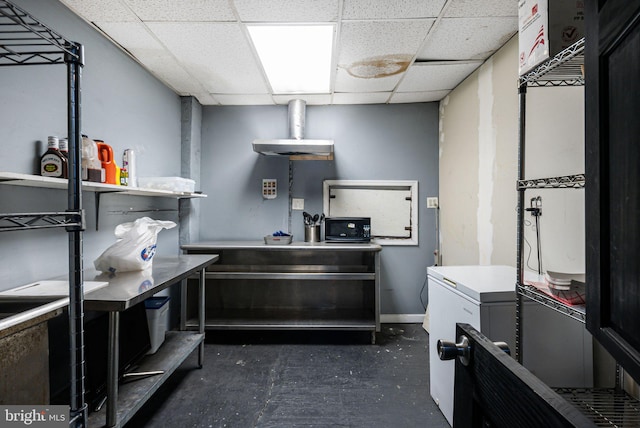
<point>44,220</point>
<point>26,41</point>
<point>564,69</point>
<point>576,181</point>
<point>605,407</point>
<point>577,312</point>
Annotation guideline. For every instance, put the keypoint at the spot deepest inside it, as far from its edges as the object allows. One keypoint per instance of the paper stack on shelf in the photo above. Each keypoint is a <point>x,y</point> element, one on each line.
<point>568,288</point>
<point>561,280</point>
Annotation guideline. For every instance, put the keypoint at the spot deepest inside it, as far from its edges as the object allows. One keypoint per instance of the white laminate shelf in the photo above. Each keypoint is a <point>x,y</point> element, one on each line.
<point>28,180</point>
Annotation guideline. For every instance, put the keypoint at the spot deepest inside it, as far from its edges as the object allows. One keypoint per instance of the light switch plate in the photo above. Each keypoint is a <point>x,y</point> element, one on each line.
<point>297,204</point>
<point>269,188</point>
<point>432,202</point>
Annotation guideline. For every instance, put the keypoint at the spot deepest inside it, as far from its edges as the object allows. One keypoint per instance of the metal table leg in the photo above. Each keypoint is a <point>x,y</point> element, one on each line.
<point>201,316</point>
<point>112,368</point>
<point>183,305</point>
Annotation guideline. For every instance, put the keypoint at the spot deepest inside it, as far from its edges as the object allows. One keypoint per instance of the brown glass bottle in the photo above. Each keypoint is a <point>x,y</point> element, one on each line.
<point>53,163</point>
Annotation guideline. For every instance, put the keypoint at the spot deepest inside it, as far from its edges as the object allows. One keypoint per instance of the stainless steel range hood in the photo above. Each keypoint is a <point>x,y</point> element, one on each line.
<point>291,147</point>
<point>295,146</point>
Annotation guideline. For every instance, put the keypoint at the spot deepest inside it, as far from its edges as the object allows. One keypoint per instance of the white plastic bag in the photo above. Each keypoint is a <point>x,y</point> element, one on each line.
<point>135,246</point>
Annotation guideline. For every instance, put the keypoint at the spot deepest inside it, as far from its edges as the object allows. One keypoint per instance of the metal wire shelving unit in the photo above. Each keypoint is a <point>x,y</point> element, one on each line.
<point>26,41</point>
<point>606,407</point>
<point>565,69</point>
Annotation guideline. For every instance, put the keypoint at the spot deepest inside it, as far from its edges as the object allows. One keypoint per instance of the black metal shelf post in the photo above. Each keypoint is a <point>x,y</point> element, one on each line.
<point>26,41</point>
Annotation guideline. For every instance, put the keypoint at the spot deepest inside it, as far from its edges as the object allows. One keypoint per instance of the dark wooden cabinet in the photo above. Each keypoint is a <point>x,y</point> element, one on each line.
<point>493,390</point>
<point>612,64</point>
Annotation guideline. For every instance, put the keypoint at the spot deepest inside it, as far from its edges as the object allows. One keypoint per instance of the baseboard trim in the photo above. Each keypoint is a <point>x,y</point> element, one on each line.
<point>401,318</point>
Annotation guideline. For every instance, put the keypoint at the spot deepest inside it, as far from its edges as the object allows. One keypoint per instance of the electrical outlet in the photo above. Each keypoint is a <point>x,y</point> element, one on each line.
<point>432,202</point>
<point>297,204</point>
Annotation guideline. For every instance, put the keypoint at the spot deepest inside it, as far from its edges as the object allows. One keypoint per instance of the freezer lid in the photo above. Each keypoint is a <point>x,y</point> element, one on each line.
<point>480,283</point>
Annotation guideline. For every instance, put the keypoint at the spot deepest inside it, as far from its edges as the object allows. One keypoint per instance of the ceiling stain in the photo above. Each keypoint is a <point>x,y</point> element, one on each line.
<point>380,66</point>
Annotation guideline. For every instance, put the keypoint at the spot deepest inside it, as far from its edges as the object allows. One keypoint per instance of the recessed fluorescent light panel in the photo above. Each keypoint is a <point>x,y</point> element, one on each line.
<point>296,58</point>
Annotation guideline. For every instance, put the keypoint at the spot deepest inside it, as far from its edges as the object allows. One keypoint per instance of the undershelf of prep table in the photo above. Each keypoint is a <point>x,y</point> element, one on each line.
<point>292,319</point>
<point>132,395</point>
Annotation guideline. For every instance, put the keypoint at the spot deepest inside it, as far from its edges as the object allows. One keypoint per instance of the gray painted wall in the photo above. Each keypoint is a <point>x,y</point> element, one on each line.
<point>121,104</point>
<point>372,142</point>
<point>128,108</point>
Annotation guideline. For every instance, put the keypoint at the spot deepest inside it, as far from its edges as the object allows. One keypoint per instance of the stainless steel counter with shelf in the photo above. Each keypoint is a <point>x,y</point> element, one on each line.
<point>299,286</point>
<point>124,291</point>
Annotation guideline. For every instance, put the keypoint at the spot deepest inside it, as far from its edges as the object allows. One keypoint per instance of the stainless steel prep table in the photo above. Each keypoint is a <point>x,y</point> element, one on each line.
<point>299,286</point>
<point>124,291</point>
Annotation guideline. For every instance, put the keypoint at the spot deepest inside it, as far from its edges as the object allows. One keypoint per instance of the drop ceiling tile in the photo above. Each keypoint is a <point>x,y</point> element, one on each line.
<point>97,10</point>
<point>183,10</point>
<point>207,99</point>
<point>418,97</point>
<point>168,70</point>
<point>311,99</point>
<point>423,77</point>
<point>131,35</point>
<point>345,82</point>
<point>361,98</point>
<point>363,40</point>
<point>373,54</point>
<point>469,8</point>
<point>244,99</point>
<point>287,10</point>
<point>468,38</point>
<point>385,9</point>
<point>137,40</point>
<point>217,54</point>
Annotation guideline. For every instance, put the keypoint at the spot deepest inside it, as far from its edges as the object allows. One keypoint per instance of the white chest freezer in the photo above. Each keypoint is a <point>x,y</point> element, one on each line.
<point>482,296</point>
<point>556,349</point>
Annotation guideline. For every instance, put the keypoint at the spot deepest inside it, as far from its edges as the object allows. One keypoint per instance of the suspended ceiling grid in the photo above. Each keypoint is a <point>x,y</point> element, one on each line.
<point>386,51</point>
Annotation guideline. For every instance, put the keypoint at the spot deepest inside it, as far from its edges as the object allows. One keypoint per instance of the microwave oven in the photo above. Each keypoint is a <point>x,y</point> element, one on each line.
<point>347,229</point>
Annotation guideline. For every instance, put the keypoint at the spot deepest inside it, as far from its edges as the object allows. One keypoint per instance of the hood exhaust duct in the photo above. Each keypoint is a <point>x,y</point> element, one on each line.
<point>296,146</point>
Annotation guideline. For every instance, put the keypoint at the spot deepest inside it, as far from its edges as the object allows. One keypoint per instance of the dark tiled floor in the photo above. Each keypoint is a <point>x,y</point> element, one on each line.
<point>301,379</point>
